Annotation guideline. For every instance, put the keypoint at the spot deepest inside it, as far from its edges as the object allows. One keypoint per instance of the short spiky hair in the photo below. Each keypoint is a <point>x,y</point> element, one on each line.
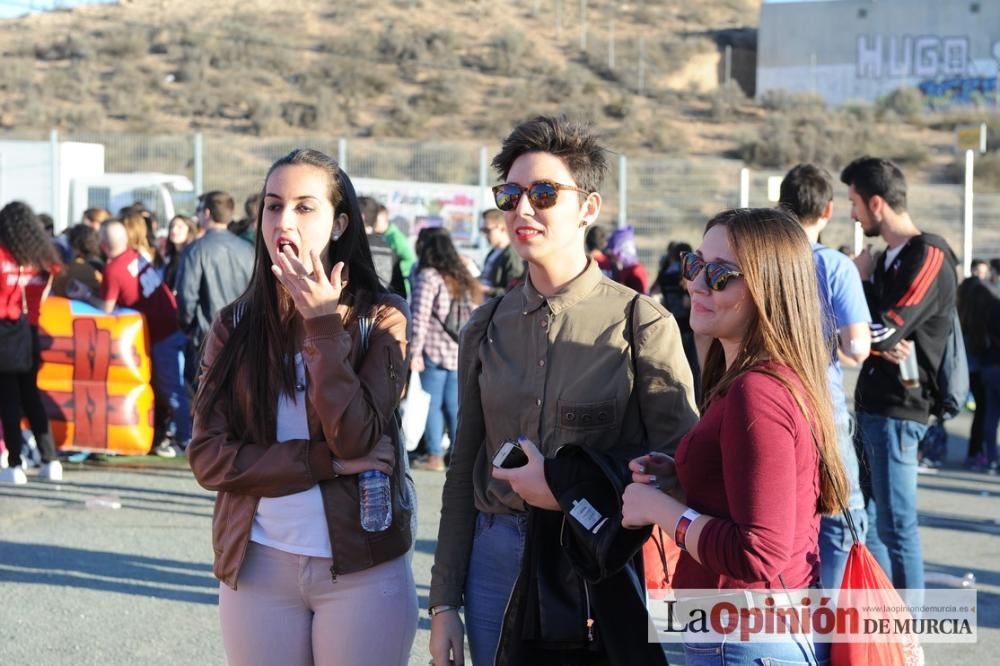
<point>805,191</point>
<point>874,175</point>
<point>572,142</point>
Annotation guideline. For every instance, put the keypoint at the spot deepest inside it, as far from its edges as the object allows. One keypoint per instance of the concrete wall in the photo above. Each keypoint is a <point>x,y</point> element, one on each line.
<point>863,49</point>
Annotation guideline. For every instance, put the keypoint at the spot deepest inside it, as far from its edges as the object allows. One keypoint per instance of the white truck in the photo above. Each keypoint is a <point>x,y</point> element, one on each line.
<point>65,178</point>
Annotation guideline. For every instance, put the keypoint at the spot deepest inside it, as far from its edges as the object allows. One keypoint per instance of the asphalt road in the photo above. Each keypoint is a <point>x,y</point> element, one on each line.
<point>133,585</point>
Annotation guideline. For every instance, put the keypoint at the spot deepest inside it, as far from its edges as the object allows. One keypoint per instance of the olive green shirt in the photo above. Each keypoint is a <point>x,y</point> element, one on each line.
<point>557,370</point>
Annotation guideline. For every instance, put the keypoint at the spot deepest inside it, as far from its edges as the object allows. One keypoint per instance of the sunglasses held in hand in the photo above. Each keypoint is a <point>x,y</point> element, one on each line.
<point>717,274</point>
<point>541,194</point>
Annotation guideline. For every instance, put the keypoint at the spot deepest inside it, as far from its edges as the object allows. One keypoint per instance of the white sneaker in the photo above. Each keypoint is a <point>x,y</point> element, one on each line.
<point>4,462</point>
<point>164,449</point>
<point>51,471</point>
<point>14,476</point>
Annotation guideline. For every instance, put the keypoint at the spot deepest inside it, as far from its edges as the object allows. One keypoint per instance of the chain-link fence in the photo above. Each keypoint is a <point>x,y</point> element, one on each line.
<point>665,199</point>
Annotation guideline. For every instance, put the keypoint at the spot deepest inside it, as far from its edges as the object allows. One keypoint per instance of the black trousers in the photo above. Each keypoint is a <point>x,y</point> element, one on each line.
<point>978,391</point>
<point>19,396</point>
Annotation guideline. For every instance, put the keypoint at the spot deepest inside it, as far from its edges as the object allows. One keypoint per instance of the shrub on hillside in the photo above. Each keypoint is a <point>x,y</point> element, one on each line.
<point>986,172</point>
<point>786,139</point>
<point>784,101</point>
<point>123,43</point>
<point>906,103</point>
<point>507,53</point>
<point>442,95</point>
<point>67,48</point>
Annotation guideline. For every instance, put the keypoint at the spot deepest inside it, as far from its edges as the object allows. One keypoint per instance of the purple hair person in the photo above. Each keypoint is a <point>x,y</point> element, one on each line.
<point>621,247</point>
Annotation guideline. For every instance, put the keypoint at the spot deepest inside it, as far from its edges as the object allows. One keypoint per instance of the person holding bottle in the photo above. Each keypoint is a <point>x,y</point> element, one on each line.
<point>300,379</point>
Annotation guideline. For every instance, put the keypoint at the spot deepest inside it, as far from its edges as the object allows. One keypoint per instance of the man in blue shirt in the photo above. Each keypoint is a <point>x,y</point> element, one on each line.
<point>807,191</point>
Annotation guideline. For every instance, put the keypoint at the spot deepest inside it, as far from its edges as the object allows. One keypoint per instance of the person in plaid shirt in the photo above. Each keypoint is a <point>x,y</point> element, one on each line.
<point>444,293</point>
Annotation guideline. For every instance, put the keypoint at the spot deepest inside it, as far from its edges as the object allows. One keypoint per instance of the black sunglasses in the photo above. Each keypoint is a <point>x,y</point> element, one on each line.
<point>541,194</point>
<point>717,274</point>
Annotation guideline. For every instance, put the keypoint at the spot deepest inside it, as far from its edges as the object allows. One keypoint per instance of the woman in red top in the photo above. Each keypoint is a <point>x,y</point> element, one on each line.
<point>26,253</point>
<point>762,464</point>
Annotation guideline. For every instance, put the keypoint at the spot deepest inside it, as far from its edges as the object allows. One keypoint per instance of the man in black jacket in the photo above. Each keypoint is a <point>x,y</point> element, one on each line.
<point>503,267</point>
<point>214,270</point>
<point>910,290</point>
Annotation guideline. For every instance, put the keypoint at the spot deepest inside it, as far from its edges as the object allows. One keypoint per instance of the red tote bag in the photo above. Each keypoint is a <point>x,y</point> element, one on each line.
<point>865,585</point>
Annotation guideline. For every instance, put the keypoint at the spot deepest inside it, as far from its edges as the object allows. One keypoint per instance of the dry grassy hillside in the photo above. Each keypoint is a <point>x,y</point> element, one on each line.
<point>434,70</point>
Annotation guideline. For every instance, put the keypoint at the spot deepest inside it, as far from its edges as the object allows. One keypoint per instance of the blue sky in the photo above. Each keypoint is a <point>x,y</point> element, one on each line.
<point>12,8</point>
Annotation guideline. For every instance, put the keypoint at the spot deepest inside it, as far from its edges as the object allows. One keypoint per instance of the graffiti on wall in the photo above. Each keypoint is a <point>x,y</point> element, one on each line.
<point>959,89</point>
<point>944,65</point>
<point>905,56</point>
<point>924,56</point>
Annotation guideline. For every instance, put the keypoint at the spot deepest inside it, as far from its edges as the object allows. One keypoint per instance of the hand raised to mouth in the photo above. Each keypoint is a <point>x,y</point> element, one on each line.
<point>312,292</point>
<point>283,243</point>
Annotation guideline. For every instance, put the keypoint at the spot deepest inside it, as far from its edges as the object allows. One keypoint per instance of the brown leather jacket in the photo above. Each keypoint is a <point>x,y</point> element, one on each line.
<point>351,402</point>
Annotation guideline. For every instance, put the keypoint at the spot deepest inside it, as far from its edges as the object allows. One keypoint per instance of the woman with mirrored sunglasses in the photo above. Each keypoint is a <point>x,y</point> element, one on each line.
<point>545,365</point>
<point>763,463</point>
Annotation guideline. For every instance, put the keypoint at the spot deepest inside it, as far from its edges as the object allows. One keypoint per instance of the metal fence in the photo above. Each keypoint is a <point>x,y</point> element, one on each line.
<point>665,199</point>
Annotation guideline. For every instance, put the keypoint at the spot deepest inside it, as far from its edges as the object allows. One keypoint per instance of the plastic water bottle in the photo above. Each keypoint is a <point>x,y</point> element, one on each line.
<point>376,501</point>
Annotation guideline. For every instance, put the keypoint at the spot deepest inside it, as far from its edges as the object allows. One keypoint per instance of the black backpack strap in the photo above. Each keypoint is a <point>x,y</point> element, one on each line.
<point>634,355</point>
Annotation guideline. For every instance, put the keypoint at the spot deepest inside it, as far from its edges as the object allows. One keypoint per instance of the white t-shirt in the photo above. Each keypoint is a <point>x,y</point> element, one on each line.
<point>891,254</point>
<point>294,523</point>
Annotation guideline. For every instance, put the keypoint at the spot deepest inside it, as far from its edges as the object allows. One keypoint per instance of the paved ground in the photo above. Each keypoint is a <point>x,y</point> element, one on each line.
<point>133,585</point>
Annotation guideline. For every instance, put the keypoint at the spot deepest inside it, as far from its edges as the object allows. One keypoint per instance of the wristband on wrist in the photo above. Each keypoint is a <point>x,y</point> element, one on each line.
<point>441,608</point>
<point>683,523</point>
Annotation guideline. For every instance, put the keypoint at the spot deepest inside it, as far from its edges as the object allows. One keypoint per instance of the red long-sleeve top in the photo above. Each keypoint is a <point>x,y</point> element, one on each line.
<point>751,464</point>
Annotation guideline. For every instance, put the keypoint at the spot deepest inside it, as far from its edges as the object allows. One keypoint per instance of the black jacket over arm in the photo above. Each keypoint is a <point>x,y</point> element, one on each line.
<point>580,596</point>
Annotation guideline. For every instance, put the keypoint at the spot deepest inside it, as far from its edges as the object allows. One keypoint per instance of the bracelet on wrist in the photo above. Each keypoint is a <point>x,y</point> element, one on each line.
<point>680,530</point>
<point>440,608</point>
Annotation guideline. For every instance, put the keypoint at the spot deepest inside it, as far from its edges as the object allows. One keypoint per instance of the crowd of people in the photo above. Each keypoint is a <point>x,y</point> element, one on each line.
<point>707,403</point>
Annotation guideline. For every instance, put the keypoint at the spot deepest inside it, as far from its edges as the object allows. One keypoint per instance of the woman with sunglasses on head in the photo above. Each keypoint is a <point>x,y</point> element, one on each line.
<point>762,464</point>
<point>300,379</point>
<point>530,363</point>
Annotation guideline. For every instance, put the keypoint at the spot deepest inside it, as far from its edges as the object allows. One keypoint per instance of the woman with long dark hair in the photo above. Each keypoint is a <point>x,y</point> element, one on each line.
<point>180,233</point>
<point>301,376</point>
<point>26,255</point>
<point>763,462</point>
<point>444,294</point>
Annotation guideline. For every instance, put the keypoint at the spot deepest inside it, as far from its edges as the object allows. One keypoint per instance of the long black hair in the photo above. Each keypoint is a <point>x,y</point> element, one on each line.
<point>23,234</point>
<point>257,360</point>
<point>435,249</point>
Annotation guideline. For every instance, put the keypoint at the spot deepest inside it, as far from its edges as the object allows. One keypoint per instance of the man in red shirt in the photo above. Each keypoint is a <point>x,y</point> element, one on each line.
<point>131,281</point>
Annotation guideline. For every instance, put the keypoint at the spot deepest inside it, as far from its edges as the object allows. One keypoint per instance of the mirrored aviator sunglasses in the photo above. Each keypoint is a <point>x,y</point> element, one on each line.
<point>717,274</point>
<point>541,194</point>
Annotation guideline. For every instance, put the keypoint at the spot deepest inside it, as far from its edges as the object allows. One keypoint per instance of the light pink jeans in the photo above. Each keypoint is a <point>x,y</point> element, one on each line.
<point>287,610</point>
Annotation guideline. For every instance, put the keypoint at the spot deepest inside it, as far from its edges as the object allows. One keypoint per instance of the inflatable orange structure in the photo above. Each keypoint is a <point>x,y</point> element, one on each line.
<point>94,378</point>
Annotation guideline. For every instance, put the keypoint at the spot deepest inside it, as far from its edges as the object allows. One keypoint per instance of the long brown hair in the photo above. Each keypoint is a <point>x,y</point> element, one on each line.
<point>435,249</point>
<point>786,326</point>
<point>257,361</point>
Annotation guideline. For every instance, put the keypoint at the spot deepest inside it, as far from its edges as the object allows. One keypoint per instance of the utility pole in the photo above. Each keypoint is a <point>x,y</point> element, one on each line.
<point>611,47</point>
<point>642,64</point>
